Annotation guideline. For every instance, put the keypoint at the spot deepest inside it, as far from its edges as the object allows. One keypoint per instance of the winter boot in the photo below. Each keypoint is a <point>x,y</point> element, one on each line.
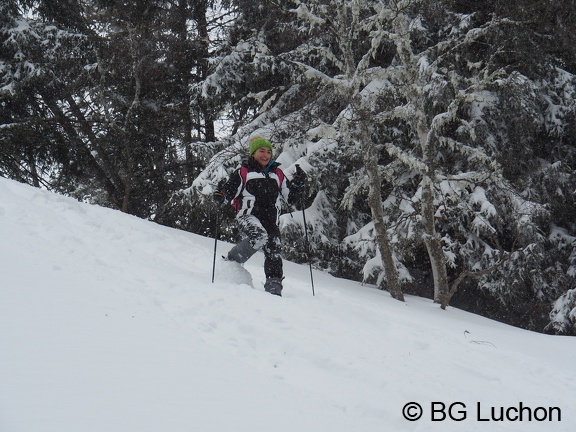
<point>241,252</point>
<point>274,286</point>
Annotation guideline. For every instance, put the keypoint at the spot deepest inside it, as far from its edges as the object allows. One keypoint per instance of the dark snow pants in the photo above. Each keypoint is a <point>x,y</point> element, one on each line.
<point>266,237</point>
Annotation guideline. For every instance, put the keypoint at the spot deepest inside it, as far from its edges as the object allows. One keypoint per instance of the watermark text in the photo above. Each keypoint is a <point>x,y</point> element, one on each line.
<point>480,412</point>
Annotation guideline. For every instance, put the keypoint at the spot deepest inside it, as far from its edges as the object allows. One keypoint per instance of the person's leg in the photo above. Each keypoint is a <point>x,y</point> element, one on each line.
<point>273,268</point>
<point>255,237</point>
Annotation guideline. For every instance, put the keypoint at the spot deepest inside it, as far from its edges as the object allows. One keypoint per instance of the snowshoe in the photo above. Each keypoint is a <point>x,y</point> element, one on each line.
<point>241,252</point>
<point>273,286</point>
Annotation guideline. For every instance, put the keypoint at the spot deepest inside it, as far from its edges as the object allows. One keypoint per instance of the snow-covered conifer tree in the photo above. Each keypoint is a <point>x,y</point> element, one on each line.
<point>96,97</point>
<point>426,90</point>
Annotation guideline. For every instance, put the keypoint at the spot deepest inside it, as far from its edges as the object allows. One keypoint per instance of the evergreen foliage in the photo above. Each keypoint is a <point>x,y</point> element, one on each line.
<point>438,136</point>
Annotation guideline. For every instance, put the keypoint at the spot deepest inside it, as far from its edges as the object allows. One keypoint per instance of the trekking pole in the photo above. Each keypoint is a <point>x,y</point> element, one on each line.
<point>215,245</point>
<point>307,246</point>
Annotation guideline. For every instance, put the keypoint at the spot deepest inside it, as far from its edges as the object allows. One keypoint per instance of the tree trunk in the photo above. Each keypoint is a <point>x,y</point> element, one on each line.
<point>96,150</point>
<point>94,154</point>
<point>376,207</point>
<point>199,15</point>
<point>128,143</point>
<point>431,239</point>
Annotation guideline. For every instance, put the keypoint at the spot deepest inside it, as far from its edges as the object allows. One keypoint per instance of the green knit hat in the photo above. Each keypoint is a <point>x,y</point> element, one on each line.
<point>258,142</point>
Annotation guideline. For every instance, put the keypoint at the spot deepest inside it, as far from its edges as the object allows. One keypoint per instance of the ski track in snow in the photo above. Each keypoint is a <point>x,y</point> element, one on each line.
<point>111,323</point>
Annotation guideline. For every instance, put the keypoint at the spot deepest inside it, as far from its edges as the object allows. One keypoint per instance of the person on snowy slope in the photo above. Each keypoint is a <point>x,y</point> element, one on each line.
<point>257,190</point>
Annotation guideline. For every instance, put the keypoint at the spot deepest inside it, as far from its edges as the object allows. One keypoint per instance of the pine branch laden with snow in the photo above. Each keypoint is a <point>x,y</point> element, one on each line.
<point>450,95</point>
<point>439,123</point>
<point>563,315</point>
<point>27,61</point>
<point>322,229</point>
<point>468,113</point>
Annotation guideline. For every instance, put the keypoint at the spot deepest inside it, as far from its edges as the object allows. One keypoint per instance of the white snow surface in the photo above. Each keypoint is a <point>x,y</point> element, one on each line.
<point>110,323</point>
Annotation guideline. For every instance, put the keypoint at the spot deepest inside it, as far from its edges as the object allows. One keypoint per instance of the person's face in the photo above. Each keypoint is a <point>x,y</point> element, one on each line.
<point>263,156</point>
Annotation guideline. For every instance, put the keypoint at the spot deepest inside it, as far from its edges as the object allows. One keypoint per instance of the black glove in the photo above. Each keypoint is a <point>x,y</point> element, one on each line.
<point>298,179</point>
<point>219,198</point>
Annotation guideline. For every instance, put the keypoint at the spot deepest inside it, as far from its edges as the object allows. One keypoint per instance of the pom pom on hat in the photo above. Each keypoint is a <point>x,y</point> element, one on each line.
<point>257,142</point>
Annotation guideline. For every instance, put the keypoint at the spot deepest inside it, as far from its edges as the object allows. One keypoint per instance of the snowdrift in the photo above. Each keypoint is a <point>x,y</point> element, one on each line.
<point>111,323</point>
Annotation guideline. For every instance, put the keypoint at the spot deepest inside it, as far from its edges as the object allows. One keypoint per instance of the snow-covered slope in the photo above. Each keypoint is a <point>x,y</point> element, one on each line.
<point>109,323</point>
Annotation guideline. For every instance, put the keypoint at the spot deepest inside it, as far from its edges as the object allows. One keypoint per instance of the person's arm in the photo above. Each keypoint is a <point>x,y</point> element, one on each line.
<point>230,190</point>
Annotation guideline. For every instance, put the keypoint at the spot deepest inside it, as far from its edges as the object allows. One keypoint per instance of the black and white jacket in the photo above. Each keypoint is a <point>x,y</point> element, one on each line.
<point>262,191</point>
